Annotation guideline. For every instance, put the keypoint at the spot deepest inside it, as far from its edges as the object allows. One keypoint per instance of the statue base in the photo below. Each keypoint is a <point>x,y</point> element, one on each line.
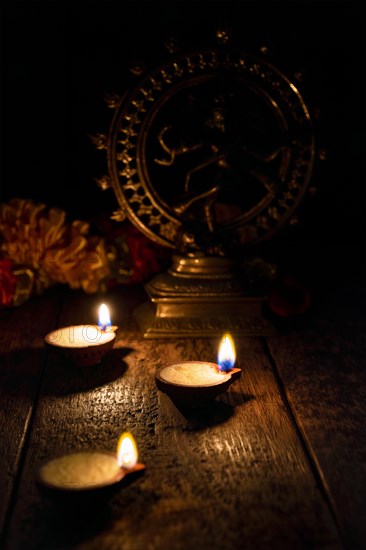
<point>202,296</point>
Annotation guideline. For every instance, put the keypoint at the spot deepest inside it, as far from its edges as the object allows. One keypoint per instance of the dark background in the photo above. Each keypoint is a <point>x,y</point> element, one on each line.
<point>59,59</point>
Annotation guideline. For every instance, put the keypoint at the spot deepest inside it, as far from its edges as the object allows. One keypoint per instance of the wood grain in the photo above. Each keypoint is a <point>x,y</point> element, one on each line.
<point>234,475</point>
<point>323,373</point>
<point>22,357</point>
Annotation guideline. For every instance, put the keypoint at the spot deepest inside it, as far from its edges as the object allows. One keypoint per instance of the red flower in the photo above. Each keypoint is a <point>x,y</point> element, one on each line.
<point>288,296</point>
<point>8,283</point>
<point>137,254</point>
<point>147,258</point>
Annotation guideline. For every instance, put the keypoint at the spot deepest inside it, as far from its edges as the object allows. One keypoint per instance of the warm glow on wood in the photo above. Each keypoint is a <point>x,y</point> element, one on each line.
<point>127,453</point>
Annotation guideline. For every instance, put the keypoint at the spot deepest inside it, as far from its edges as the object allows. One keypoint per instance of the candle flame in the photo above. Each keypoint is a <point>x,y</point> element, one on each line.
<point>104,321</point>
<point>227,354</point>
<point>127,453</point>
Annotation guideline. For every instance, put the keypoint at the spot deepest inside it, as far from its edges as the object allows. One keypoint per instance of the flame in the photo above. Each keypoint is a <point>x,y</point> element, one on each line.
<point>104,321</point>
<point>127,453</point>
<point>227,354</point>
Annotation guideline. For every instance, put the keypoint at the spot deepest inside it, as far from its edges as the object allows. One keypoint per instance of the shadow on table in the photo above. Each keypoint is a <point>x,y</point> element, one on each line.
<point>63,378</point>
<point>71,520</point>
<point>213,413</point>
<point>22,371</point>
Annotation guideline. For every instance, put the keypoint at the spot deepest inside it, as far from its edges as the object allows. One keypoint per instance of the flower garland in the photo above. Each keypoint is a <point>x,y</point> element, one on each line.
<point>38,249</point>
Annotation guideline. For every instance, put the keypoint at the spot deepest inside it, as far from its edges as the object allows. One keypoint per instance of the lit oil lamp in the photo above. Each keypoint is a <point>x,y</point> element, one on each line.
<point>85,345</point>
<point>194,383</point>
<point>91,471</point>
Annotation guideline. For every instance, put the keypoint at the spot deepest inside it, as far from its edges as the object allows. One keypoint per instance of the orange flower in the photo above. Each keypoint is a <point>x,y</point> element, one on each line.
<point>58,252</point>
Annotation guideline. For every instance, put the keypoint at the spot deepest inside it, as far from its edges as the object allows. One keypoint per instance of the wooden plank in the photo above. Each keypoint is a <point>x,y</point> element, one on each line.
<point>323,373</point>
<point>231,476</point>
<point>21,361</point>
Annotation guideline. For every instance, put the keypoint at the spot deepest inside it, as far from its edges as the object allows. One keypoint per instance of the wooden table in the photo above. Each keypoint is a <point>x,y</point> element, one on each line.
<point>279,461</point>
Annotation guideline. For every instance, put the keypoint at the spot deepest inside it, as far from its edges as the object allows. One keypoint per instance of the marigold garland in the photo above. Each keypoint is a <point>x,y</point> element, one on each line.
<point>39,248</point>
<point>35,237</point>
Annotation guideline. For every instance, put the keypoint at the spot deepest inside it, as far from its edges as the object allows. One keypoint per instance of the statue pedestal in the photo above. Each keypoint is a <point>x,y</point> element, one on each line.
<point>201,296</point>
